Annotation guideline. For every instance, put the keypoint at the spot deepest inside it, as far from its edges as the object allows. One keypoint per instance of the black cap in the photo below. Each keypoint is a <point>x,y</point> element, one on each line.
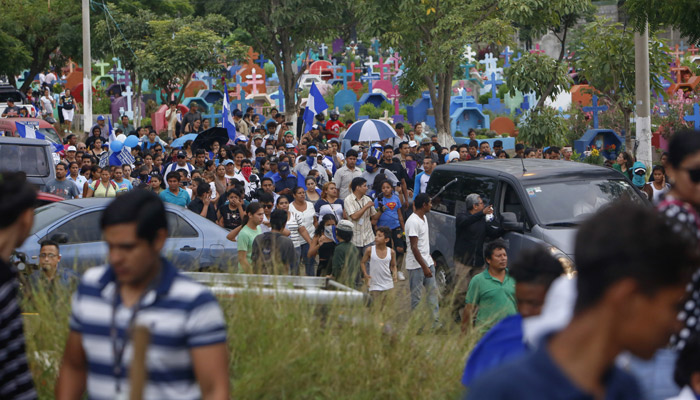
<point>181,154</point>
<point>138,160</point>
<point>371,160</point>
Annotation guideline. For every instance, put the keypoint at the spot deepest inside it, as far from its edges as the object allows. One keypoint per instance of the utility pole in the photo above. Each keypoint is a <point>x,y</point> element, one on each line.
<point>87,69</point>
<point>641,74</point>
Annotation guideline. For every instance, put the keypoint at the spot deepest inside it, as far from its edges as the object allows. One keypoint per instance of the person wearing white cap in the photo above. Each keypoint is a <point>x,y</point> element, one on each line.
<point>70,153</point>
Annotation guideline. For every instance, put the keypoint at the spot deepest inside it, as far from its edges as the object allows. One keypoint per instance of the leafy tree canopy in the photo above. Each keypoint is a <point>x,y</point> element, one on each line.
<point>683,15</point>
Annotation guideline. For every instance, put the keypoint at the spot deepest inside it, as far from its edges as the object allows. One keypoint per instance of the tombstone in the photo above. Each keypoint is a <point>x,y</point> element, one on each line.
<point>385,86</point>
<point>210,96</point>
<point>321,68</point>
<point>203,105</point>
<point>77,92</point>
<point>551,45</point>
<point>120,105</point>
<point>595,108</point>
<point>354,84</point>
<point>694,117</point>
<point>418,111</point>
<point>194,87</point>
<point>562,101</point>
<point>468,117</point>
<point>278,97</point>
<point>343,98</point>
<point>494,104</point>
<point>581,94</point>
<point>503,125</point>
<point>255,80</point>
<point>463,100</point>
<point>506,56</point>
<point>512,103</point>
<point>376,99</point>
<point>605,140</point>
<point>74,78</point>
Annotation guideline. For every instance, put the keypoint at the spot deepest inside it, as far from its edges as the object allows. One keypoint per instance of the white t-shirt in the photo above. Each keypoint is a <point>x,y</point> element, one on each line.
<point>265,228</point>
<point>307,217</point>
<point>46,105</point>
<point>380,270</point>
<point>415,226</point>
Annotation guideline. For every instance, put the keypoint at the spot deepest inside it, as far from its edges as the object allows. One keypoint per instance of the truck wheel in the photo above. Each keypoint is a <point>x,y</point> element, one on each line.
<point>443,277</point>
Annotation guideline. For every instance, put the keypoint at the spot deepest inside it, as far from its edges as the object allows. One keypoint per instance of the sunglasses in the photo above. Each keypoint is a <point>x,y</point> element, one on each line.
<point>640,172</point>
<point>694,174</point>
<point>267,205</point>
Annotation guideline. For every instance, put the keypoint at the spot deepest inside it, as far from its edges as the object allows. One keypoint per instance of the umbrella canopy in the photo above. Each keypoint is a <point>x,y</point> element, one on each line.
<point>370,130</point>
<point>179,142</point>
<point>206,138</point>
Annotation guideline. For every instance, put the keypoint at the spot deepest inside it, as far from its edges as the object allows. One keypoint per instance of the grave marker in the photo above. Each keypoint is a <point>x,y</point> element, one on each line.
<point>129,112</point>
<point>506,57</point>
<point>595,108</point>
<point>255,79</point>
<point>537,50</point>
<point>323,49</point>
<point>241,101</point>
<point>695,117</point>
<point>262,61</point>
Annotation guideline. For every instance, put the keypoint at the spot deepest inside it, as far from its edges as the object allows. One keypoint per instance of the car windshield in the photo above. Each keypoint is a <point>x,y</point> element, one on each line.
<point>564,204</point>
<point>50,134</point>
<point>48,214</point>
<point>32,160</point>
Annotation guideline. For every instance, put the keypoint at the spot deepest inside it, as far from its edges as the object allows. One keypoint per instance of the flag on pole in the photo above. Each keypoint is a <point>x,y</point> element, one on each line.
<point>227,118</point>
<point>27,131</point>
<point>315,104</point>
<point>112,136</point>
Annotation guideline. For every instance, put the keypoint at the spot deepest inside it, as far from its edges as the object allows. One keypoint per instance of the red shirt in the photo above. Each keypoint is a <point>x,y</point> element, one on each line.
<point>334,127</point>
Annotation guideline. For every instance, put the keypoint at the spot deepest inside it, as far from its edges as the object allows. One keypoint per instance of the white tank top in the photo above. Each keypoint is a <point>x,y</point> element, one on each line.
<point>380,271</point>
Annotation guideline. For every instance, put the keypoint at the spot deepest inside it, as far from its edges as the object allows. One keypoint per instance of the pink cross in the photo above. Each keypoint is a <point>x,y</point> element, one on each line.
<point>254,80</point>
<point>396,96</point>
<point>677,53</point>
<point>381,66</point>
<point>537,49</point>
<point>692,49</point>
<point>354,71</point>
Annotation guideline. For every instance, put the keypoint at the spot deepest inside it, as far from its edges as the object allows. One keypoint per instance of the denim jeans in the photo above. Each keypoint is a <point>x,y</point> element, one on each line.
<point>294,269</point>
<point>308,262</point>
<point>418,280</point>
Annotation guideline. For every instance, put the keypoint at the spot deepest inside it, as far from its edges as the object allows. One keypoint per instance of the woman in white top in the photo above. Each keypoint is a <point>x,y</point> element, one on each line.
<point>305,209</point>
<point>47,105</point>
<point>295,226</point>
<point>658,186</point>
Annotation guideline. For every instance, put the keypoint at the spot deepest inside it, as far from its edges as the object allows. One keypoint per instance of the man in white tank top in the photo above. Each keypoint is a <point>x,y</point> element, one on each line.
<point>382,265</point>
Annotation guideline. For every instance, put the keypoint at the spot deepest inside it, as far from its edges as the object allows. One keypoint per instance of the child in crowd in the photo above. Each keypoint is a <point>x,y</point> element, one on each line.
<point>382,265</point>
<point>346,257</point>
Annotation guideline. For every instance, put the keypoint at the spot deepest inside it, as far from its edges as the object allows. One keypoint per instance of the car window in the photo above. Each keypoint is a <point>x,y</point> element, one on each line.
<point>82,229</point>
<point>451,200</point>
<point>511,203</point>
<point>178,227</point>
<point>44,216</point>
<point>30,159</point>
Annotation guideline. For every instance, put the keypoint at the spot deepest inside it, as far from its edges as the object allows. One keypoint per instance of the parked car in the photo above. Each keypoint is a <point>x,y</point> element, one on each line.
<point>9,92</point>
<point>194,243</point>
<point>34,157</point>
<point>541,202</point>
<point>43,198</point>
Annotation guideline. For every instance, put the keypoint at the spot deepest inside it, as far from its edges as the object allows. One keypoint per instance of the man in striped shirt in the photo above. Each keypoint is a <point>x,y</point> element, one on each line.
<point>187,356</point>
<point>17,199</point>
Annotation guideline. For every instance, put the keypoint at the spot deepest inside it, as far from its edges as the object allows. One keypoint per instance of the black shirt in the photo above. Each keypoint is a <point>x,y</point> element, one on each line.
<point>472,230</point>
<point>196,206</point>
<point>232,218</point>
<point>395,167</point>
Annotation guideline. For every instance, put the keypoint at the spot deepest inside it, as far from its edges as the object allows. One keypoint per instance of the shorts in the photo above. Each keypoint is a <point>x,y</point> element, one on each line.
<point>398,239</point>
<point>68,114</point>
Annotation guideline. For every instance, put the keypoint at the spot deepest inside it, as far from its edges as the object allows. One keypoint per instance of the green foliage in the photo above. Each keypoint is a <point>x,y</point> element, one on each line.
<point>484,98</point>
<point>502,90</point>
<point>160,7</point>
<point>536,72</point>
<point>543,127</point>
<point>30,34</point>
<point>540,16</point>
<point>101,102</point>
<point>376,113</point>
<point>683,15</point>
<point>269,69</point>
<point>146,121</point>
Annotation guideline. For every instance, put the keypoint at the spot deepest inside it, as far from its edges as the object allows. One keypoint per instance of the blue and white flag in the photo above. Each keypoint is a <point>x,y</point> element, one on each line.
<point>29,132</point>
<point>227,118</point>
<point>112,136</point>
<point>315,105</point>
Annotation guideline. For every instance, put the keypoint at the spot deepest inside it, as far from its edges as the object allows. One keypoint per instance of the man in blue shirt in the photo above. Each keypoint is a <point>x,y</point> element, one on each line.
<point>174,194</point>
<point>287,182</point>
<point>632,272</point>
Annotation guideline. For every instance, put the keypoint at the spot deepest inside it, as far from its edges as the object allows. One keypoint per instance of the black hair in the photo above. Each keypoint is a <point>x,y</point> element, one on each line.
<point>492,246</point>
<point>266,198</point>
<point>351,153</point>
<point>142,207</point>
<point>203,188</point>
<point>463,145</point>
<point>388,147</point>
<point>199,151</point>
<point>536,265</point>
<point>278,218</point>
<point>528,151</point>
<point>345,235</point>
<point>49,242</point>
<point>173,175</point>
<point>682,145</point>
<point>498,143</point>
<point>322,223</point>
<point>688,361</point>
<point>386,231</point>
<point>633,241</point>
<point>16,195</point>
<point>519,146</point>
<point>473,143</point>
<point>357,182</point>
<point>403,143</point>
<point>554,149</point>
<point>311,151</point>
<point>182,172</point>
<point>246,161</point>
<point>656,168</point>
<point>267,178</point>
<point>421,200</point>
<point>280,198</point>
<point>234,191</point>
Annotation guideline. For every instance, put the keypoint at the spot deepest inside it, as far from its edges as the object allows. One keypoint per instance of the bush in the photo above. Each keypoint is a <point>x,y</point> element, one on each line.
<point>146,121</point>
<point>484,98</point>
<point>101,102</point>
<point>543,127</point>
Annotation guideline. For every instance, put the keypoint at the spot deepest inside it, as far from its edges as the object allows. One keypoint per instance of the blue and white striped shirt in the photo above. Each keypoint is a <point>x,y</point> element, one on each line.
<point>181,315</point>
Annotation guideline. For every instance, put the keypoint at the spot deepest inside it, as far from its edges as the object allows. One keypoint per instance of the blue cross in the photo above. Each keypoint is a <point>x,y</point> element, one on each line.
<point>209,81</point>
<point>493,82</point>
<point>261,61</point>
<point>375,46</point>
<point>280,95</point>
<point>233,69</point>
<point>695,117</point>
<point>239,82</point>
<point>506,55</point>
<point>467,67</point>
<point>212,117</point>
<point>345,75</point>
<point>683,46</point>
<point>520,55</point>
<point>369,78</point>
<point>242,101</point>
<point>595,108</point>
<point>463,100</point>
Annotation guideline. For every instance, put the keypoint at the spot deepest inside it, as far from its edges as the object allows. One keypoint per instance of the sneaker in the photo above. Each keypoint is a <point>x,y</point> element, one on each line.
<point>402,277</point>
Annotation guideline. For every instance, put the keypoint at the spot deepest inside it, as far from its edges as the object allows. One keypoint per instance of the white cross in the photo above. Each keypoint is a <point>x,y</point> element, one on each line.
<point>129,112</point>
<point>323,49</point>
<point>370,64</point>
<point>469,54</point>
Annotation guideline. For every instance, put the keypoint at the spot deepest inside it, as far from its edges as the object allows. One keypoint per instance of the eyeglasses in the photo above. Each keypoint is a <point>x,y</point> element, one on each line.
<point>694,174</point>
<point>267,205</point>
<point>48,255</point>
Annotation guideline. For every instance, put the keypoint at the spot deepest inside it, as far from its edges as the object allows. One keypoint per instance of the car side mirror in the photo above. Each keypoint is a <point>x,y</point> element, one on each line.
<point>510,222</point>
<point>60,238</point>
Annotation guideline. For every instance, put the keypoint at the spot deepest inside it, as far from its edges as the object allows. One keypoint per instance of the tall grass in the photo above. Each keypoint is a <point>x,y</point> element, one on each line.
<point>285,349</point>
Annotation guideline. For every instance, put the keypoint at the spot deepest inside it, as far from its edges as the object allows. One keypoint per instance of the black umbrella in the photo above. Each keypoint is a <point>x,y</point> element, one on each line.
<point>206,138</point>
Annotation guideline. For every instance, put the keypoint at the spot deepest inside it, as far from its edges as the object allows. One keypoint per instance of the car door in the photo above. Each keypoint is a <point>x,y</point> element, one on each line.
<point>184,244</point>
<point>80,241</point>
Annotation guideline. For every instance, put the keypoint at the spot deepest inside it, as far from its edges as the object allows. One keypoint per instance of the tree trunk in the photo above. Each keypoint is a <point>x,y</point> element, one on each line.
<point>445,135</point>
<point>135,101</point>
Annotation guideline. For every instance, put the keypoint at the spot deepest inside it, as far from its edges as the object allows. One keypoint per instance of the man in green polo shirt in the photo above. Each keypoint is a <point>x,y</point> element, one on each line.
<point>491,294</point>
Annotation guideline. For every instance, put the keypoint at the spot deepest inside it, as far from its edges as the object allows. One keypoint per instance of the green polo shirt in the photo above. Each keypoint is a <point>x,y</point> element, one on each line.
<point>495,299</point>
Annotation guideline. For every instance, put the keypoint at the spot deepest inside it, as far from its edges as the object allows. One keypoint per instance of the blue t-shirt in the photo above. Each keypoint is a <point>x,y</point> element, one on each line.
<point>182,199</point>
<point>390,215</point>
<point>535,376</point>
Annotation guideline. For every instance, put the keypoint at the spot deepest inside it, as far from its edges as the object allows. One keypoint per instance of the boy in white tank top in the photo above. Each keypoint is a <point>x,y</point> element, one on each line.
<point>382,265</point>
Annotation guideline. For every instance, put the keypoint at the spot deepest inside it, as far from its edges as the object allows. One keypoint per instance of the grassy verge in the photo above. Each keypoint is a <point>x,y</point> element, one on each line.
<point>295,350</point>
